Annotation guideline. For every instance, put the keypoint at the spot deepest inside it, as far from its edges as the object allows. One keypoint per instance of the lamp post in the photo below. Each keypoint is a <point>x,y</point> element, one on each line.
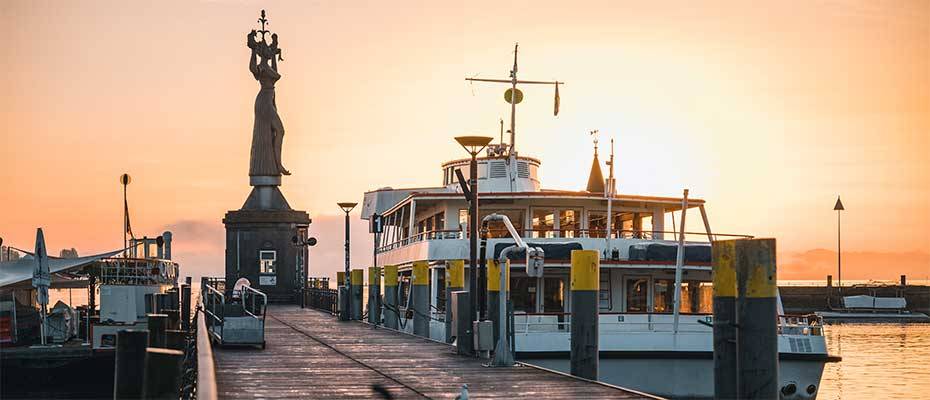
<point>473,145</point>
<point>346,302</point>
<point>302,243</point>
<point>839,265</point>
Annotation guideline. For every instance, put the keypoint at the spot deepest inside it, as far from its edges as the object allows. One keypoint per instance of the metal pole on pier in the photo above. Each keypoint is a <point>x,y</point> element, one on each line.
<point>724,290</point>
<point>390,296</point>
<point>585,281</point>
<point>420,292</point>
<point>346,302</point>
<point>455,281</point>
<point>757,318</point>
<point>374,295</point>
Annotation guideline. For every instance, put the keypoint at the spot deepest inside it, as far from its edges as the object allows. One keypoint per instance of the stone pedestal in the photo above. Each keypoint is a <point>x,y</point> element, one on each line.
<point>259,242</point>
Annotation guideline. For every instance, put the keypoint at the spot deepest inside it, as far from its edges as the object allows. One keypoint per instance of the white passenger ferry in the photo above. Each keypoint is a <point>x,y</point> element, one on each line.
<point>639,347</point>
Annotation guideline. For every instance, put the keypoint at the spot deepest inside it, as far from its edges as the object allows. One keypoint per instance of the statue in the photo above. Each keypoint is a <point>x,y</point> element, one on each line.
<point>268,131</point>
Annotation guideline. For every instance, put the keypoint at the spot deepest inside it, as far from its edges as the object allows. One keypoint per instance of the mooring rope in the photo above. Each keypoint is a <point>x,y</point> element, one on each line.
<point>311,337</point>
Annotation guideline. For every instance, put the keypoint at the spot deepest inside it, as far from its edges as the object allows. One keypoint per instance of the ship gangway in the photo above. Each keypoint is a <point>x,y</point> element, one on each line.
<point>310,354</point>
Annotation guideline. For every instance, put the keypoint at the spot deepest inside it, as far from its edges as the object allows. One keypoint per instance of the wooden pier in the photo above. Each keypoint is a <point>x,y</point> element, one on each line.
<point>309,354</point>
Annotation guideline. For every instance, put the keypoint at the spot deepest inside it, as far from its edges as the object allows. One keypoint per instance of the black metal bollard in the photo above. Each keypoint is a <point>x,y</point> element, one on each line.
<point>724,278</point>
<point>757,318</point>
<point>585,282</point>
<point>129,370</point>
<point>157,324</point>
<point>186,307</point>
<point>420,292</point>
<point>390,297</point>
<point>374,295</point>
<point>162,373</point>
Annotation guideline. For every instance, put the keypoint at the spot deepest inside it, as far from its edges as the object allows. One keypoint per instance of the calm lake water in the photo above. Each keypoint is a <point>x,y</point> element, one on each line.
<point>880,361</point>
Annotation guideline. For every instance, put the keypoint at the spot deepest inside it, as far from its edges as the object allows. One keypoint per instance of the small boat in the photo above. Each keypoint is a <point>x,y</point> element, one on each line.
<point>864,308</point>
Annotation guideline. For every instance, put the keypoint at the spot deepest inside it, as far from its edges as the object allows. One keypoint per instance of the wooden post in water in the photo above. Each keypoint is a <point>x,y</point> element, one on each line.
<point>162,373</point>
<point>455,281</point>
<point>724,278</point>
<point>374,295</point>
<point>757,318</point>
<point>129,370</point>
<point>357,279</point>
<point>585,282</point>
<point>420,292</point>
<point>158,324</point>
<point>390,296</point>
<point>175,339</point>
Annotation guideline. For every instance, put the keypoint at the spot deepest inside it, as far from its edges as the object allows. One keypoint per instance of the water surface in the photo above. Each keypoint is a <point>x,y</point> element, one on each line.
<point>880,361</point>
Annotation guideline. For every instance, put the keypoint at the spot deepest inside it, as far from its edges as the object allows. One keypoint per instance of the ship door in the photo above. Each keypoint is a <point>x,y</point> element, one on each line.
<point>636,294</point>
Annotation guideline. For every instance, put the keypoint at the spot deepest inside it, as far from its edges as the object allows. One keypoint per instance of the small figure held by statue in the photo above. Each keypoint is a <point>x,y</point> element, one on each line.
<point>268,131</point>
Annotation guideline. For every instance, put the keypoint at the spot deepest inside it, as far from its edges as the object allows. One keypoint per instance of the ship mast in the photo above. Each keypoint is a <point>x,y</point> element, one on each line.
<point>514,95</point>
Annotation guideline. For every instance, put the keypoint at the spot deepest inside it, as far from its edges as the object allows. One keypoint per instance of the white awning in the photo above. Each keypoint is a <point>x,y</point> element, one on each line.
<point>12,272</point>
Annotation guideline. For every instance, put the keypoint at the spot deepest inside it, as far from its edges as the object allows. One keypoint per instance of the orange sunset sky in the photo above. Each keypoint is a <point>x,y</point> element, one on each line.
<point>767,110</point>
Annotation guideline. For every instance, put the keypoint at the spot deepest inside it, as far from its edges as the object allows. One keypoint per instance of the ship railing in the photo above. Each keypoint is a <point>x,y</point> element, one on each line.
<point>546,233</point>
<point>529,323</point>
<point>137,271</point>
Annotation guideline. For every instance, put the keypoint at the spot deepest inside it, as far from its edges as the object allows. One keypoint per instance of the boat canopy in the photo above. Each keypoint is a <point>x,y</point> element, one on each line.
<point>13,272</point>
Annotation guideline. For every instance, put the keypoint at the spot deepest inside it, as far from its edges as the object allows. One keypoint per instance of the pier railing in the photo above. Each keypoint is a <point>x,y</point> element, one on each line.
<point>323,299</point>
<point>205,376</point>
<point>528,323</point>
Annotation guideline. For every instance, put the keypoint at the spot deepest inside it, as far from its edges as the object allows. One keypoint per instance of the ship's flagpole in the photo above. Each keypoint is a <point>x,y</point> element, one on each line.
<point>680,260</point>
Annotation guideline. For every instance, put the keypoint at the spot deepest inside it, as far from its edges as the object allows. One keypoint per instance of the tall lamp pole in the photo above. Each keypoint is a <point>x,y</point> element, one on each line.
<point>473,145</point>
<point>839,264</point>
<point>347,301</point>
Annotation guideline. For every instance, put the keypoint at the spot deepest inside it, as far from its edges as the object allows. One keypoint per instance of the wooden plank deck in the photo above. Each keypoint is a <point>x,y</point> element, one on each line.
<point>310,354</point>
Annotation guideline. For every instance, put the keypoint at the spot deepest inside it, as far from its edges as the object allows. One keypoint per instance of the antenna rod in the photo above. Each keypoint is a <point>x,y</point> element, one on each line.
<point>513,102</point>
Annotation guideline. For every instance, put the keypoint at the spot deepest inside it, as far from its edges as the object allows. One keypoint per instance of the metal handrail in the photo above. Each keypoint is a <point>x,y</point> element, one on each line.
<point>446,234</point>
<point>206,370</point>
<point>246,290</point>
<point>210,294</point>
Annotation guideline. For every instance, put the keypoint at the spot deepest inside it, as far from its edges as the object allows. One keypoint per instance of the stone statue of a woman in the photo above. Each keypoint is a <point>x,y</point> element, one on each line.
<point>268,132</point>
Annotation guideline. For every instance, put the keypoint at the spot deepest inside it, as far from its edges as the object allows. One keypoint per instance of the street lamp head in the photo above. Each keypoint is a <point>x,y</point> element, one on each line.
<point>473,144</point>
<point>347,207</point>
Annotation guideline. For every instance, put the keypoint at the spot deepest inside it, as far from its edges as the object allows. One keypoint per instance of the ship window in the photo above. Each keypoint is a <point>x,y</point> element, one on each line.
<point>523,294</point>
<point>663,295</point>
<point>554,294</point>
<point>697,297</point>
<point>543,223</point>
<point>497,229</point>
<point>637,292</point>
<point>440,223</point>
<point>603,294</point>
<point>569,223</point>
<point>267,260</point>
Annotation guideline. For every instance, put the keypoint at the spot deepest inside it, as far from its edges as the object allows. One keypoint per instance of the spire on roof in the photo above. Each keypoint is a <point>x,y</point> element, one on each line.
<point>596,178</point>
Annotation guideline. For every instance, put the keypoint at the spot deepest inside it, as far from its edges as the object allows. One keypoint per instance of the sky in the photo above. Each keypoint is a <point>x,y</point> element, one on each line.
<point>767,110</point>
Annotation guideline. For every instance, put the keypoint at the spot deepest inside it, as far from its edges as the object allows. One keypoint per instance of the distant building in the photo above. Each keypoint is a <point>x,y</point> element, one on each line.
<point>68,253</point>
<point>9,254</point>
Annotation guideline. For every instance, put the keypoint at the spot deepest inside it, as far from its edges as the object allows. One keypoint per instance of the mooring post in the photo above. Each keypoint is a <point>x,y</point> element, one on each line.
<point>585,281</point>
<point>162,373</point>
<point>129,368</point>
<point>175,339</point>
<point>421,314</point>
<point>390,296</point>
<point>757,316</point>
<point>724,291</point>
<point>342,297</point>
<point>455,281</point>
<point>157,324</point>
<point>174,319</point>
<point>186,307</point>
<point>494,288</point>
<point>374,295</point>
<point>356,281</point>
